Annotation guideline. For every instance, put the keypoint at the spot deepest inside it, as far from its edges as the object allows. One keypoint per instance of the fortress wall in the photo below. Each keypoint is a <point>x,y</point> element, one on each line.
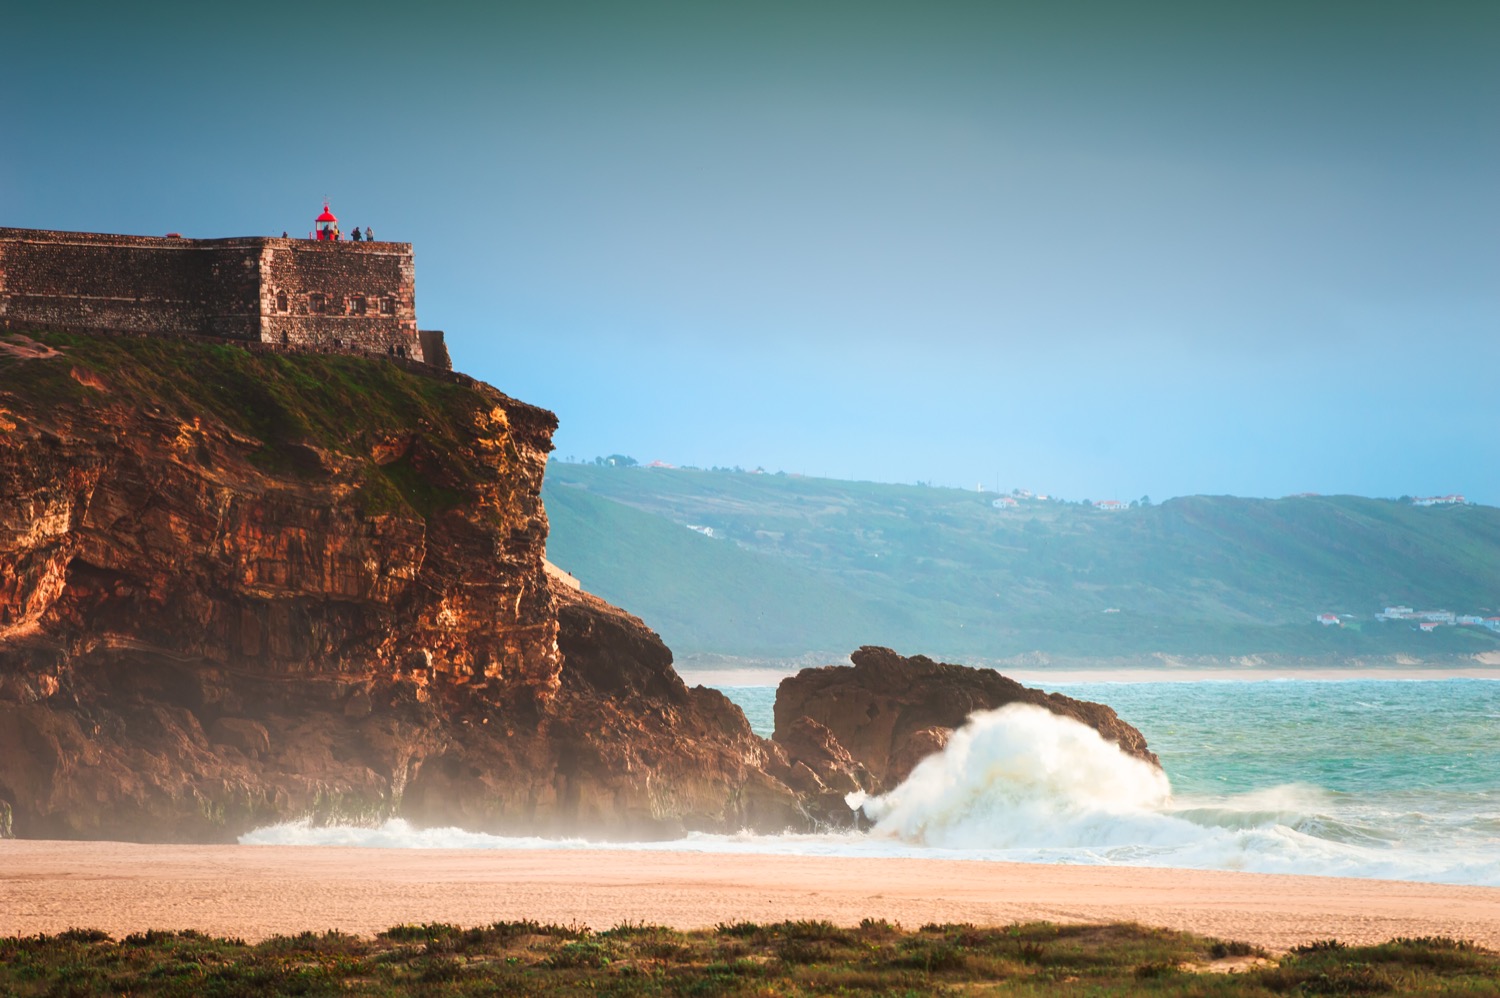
<point>79,280</point>
<point>358,296</point>
<point>289,292</point>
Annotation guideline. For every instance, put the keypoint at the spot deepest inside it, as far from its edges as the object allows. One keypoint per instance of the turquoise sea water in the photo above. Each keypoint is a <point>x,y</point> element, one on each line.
<point>1358,777</point>
<point>1364,778</point>
<point>1420,738</point>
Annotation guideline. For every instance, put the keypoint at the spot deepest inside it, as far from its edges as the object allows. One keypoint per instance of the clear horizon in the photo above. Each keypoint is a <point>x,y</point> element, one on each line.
<point>1067,247</point>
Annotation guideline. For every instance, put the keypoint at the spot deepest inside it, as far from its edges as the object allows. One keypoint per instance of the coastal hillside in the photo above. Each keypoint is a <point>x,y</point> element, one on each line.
<point>723,563</point>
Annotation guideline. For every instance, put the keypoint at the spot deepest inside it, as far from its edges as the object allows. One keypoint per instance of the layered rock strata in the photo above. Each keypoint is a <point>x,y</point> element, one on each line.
<point>238,588</point>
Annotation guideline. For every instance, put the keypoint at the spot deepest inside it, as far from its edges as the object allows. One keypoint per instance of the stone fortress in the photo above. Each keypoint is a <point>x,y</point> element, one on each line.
<point>320,293</point>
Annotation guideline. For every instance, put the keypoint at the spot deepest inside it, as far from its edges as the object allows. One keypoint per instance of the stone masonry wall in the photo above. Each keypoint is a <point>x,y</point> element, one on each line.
<point>287,292</point>
<point>339,296</point>
<point>80,280</point>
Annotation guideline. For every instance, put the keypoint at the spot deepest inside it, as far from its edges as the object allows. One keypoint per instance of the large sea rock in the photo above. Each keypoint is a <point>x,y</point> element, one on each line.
<point>867,725</point>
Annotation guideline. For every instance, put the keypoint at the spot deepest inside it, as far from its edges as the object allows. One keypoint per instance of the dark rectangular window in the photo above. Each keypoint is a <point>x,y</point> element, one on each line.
<point>359,305</point>
<point>317,303</point>
<point>387,306</point>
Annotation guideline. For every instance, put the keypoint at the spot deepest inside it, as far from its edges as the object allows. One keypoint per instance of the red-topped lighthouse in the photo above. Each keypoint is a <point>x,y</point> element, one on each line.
<point>328,225</point>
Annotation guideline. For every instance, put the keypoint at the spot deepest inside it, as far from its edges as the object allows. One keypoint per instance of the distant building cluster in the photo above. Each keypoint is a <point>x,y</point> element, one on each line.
<point>1453,500</point>
<point>1019,496</point>
<point>1430,620</point>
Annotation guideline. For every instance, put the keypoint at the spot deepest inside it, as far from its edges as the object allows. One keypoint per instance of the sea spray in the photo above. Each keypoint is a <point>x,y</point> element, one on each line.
<point>1358,777</point>
<point>1023,777</point>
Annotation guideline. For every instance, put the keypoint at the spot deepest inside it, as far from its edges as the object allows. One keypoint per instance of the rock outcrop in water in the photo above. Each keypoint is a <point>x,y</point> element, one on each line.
<point>869,724</point>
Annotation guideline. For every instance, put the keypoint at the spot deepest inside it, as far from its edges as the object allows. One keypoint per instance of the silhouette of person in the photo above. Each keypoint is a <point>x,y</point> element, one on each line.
<point>369,236</point>
<point>357,236</point>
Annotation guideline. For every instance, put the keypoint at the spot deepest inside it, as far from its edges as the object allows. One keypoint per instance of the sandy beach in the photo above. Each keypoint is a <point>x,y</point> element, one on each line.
<point>257,891</point>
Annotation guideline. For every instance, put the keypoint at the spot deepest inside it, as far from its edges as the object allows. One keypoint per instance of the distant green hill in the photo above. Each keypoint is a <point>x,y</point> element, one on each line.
<point>800,565</point>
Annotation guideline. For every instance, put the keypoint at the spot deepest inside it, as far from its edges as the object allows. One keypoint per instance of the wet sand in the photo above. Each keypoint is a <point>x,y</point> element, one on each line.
<point>257,891</point>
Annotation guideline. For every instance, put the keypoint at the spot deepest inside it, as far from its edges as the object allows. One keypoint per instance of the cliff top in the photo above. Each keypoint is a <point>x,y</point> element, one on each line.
<point>288,407</point>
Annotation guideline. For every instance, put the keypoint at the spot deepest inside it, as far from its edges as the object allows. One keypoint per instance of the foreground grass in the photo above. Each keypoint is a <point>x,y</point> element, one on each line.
<point>788,958</point>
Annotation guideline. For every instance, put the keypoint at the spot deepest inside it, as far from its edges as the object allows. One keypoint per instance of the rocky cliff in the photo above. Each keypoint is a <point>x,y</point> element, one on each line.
<point>240,587</point>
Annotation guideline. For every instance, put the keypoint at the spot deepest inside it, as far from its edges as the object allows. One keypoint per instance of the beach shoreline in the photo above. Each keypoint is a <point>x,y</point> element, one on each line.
<point>253,892</point>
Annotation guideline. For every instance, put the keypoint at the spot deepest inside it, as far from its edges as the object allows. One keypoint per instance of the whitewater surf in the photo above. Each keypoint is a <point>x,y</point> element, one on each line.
<point>1375,779</point>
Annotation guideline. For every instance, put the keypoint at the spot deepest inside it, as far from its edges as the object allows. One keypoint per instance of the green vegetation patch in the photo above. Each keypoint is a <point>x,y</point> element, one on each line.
<point>836,564</point>
<point>744,958</point>
<point>291,405</point>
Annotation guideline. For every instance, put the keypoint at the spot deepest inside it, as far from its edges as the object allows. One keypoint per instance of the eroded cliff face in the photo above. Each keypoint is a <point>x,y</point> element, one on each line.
<point>241,587</point>
<point>626,751</point>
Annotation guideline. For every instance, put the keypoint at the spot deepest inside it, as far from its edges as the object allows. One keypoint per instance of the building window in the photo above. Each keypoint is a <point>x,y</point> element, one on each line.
<point>387,306</point>
<point>317,303</point>
<point>281,301</point>
<point>359,305</point>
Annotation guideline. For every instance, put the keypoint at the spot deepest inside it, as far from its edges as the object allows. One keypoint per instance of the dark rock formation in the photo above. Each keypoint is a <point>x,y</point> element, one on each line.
<point>872,722</point>
<point>238,588</point>
<point>625,750</point>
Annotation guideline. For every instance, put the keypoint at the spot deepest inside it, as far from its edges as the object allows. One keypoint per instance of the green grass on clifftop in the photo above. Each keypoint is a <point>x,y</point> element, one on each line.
<point>285,402</point>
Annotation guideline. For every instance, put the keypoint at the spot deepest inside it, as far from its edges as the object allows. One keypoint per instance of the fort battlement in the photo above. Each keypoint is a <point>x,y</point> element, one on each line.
<point>296,293</point>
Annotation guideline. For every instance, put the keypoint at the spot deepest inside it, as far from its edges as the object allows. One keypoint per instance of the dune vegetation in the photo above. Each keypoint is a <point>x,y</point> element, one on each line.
<point>787,958</point>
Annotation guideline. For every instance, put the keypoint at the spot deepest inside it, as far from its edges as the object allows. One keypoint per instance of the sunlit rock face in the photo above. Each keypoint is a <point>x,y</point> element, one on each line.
<point>870,723</point>
<point>625,751</point>
<point>241,587</point>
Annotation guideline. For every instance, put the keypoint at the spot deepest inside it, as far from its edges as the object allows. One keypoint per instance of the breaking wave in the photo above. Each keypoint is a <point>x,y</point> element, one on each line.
<point>1021,784</point>
<point>1021,776</point>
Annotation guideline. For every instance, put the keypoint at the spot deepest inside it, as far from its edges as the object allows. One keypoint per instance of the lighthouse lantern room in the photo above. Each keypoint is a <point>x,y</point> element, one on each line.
<point>328,225</point>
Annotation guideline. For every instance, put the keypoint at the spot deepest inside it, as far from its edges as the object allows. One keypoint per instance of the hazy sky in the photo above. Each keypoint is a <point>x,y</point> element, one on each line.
<point>1095,249</point>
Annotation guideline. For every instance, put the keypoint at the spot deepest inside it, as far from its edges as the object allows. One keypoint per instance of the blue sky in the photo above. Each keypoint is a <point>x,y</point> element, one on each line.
<point>1098,250</point>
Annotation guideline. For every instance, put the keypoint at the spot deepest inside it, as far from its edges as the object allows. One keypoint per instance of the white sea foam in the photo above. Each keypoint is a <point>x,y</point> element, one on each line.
<point>1023,785</point>
<point>1023,777</point>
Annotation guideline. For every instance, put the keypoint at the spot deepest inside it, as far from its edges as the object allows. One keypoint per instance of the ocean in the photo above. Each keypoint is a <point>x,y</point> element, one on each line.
<point>1396,779</point>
